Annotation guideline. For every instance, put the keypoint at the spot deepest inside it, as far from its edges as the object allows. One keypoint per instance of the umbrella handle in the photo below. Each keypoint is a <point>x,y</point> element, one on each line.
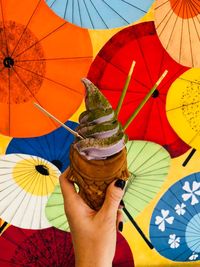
<point>3,227</point>
<point>189,157</point>
<point>138,228</point>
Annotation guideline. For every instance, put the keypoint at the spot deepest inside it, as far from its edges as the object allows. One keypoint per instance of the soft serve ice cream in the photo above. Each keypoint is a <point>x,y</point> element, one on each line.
<point>100,157</point>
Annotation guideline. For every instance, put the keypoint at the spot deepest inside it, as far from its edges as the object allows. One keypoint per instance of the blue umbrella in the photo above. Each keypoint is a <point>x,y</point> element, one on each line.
<point>53,147</point>
<point>175,227</point>
<point>100,14</point>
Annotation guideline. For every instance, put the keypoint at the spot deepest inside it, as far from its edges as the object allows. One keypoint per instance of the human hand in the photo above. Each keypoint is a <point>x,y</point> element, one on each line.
<point>93,233</point>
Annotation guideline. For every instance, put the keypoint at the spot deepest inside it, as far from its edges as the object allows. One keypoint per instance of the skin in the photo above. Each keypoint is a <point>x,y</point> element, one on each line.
<point>93,233</point>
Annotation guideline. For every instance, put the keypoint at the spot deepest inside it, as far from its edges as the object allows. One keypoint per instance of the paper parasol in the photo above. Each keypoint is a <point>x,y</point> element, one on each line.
<point>49,247</point>
<point>175,228</point>
<point>42,60</point>
<point>109,71</point>
<point>26,182</point>
<point>149,163</point>
<point>100,14</point>
<point>53,147</point>
<point>183,107</point>
<point>178,28</point>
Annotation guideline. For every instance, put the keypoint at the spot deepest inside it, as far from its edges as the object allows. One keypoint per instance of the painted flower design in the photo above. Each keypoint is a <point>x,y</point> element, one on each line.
<point>180,209</point>
<point>174,241</point>
<point>161,220</point>
<point>192,192</point>
<point>193,257</point>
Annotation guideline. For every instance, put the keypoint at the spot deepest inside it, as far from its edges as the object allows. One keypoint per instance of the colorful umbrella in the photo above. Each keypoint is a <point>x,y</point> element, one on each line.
<point>178,28</point>
<point>49,247</point>
<point>42,60</point>
<point>183,108</point>
<point>53,147</point>
<point>174,228</point>
<point>26,182</point>
<point>100,14</point>
<point>110,69</point>
<point>147,162</point>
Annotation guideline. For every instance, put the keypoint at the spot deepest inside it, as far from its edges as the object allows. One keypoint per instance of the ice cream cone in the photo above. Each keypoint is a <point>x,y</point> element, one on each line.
<point>94,176</point>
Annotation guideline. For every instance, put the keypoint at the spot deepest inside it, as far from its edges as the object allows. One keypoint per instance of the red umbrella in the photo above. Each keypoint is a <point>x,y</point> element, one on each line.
<point>48,247</point>
<point>110,69</point>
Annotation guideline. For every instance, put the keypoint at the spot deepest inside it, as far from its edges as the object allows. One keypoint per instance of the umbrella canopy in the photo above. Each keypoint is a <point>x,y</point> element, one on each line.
<point>174,228</point>
<point>110,69</point>
<point>99,14</point>
<point>40,64</point>
<point>183,109</point>
<point>49,247</point>
<point>53,147</point>
<point>178,28</point>
<point>26,182</point>
<point>147,162</point>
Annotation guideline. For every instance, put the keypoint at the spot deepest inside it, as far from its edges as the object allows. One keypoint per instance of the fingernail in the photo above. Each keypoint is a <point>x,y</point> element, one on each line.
<point>120,183</point>
<point>120,227</point>
<point>122,203</point>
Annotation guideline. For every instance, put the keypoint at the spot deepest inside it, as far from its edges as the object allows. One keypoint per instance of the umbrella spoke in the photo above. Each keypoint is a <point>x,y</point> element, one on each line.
<point>49,59</point>
<point>9,110</point>
<point>4,30</point>
<point>37,42</point>
<point>25,28</point>
<point>99,15</point>
<point>46,78</point>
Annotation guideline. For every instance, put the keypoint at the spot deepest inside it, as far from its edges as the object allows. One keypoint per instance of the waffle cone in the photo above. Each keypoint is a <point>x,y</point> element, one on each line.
<point>94,176</point>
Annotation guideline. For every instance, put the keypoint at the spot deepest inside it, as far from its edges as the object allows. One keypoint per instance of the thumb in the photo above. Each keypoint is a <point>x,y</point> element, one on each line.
<point>114,194</point>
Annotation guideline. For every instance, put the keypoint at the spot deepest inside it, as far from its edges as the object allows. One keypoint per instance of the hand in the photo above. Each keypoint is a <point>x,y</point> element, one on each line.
<point>93,233</point>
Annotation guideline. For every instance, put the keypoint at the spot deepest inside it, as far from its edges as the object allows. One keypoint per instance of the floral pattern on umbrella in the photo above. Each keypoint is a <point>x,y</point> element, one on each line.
<point>174,227</point>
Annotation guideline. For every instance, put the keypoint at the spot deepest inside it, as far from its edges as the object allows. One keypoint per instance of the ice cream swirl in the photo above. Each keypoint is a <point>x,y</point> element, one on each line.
<point>103,134</point>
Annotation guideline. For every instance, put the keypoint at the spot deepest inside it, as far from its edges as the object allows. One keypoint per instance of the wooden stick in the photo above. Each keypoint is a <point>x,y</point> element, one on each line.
<point>189,157</point>
<point>58,121</point>
<point>145,100</point>
<point>123,94</point>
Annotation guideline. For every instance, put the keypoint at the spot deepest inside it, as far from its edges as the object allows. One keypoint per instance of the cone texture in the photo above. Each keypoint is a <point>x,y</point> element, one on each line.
<point>94,176</point>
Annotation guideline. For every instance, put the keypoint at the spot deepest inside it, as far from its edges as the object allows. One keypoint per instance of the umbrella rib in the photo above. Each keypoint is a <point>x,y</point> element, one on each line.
<point>130,204</point>
<point>184,105</point>
<point>53,31</point>
<point>157,7</point>
<point>165,17</point>
<point>137,194</point>
<point>66,5</point>
<point>9,110</point>
<point>137,155</point>
<point>191,52</point>
<point>136,7</point>
<point>61,58</point>
<point>4,29</point>
<point>99,14</point>
<point>49,154</point>
<point>25,27</point>
<point>46,78</point>
<point>161,122</point>
<point>79,10</point>
<point>116,12</point>
<point>137,185</point>
<point>88,13</point>
<point>52,2</point>
<point>148,119</point>
<point>155,163</point>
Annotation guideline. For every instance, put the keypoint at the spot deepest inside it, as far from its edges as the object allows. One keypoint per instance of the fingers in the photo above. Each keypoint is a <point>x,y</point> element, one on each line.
<point>114,195</point>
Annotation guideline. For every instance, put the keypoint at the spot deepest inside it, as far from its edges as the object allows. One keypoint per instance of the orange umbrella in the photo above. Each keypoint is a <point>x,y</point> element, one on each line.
<point>42,59</point>
<point>178,28</point>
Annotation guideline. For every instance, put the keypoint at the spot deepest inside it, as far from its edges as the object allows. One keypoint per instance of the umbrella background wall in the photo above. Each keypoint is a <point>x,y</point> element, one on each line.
<point>142,255</point>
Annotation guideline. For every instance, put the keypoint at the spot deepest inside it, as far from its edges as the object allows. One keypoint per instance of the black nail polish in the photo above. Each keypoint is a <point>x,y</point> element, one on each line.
<point>120,183</point>
<point>122,203</point>
<point>120,227</point>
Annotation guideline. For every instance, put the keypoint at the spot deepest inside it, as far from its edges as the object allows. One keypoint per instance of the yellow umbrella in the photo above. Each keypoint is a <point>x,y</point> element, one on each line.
<point>177,25</point>
<point>183,107</point>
